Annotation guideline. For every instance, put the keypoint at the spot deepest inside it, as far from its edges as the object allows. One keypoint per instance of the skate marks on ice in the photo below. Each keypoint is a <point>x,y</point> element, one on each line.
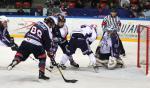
<point>88,68</point>
<point>127,73</point>
<point>18,76</point>
<point>91,69</point>
<point>3,68</point>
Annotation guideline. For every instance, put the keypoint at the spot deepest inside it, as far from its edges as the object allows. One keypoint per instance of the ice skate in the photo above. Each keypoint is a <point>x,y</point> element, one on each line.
<point>42,76</point>
<point>12,65</point>
<point>74,64</point>
<point>62,66</point>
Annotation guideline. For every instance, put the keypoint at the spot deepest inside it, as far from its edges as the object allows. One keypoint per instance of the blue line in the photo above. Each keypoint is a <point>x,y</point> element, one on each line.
<point>82,17</point>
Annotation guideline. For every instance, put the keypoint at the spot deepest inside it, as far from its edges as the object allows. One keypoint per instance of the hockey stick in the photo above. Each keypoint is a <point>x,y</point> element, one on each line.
<point>37,61</point>
<point>66,80</point>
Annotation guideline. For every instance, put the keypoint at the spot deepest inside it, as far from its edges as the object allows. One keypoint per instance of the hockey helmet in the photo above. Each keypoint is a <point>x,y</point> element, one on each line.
<point>61,18</point>
<point>54,18</point>
<point>83,26</point>
<point>3,18</point>
<point>50,20</point>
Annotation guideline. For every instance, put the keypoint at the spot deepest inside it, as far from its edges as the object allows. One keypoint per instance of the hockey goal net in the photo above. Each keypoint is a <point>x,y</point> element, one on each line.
<point>143,54</point>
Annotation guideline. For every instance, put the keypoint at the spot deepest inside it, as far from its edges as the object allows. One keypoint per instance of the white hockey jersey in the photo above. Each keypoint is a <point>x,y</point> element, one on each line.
<point>86,31</point>
<point>64,31</point>
<point>93,36</point>
<point>105,44</point>
<point>59,32</point>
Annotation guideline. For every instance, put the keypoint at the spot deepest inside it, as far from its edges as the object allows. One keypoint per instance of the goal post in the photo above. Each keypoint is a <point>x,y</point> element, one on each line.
<point>143,52</point>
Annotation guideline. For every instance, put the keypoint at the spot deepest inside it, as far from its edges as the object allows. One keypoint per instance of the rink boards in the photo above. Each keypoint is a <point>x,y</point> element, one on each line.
<point>18,26</point>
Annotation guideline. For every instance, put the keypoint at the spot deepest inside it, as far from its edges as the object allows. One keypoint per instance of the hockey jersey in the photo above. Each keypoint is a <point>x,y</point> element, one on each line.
<point>4,36</point>
<point>93,36</point>
<point>40,34</point>
<point>111,21</point>
<point>60,33</point>
<point>89,33</point>
<point>105,44</point>
<point>84,30</point>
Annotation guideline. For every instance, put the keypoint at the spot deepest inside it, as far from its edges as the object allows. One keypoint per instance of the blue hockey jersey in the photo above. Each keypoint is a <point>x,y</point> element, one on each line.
<point>4,36</point>
<point>40,34</point>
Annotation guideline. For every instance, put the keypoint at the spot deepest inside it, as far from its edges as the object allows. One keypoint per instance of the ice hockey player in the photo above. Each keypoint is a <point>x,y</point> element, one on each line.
<point>114,20</point>
<point>81,38</point>
<point>5,38</point>
<point>36,41</point>
<point>60,32</point>
<point>109,51</point>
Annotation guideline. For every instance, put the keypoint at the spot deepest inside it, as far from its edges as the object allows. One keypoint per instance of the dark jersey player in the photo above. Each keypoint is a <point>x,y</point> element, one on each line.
<point>5,38</point>
<point>60,32</point>
<point>36,41</point>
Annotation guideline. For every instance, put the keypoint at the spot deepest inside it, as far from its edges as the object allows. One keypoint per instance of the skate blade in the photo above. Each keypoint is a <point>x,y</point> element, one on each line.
<point>9,68</point>
<point>42,80</point>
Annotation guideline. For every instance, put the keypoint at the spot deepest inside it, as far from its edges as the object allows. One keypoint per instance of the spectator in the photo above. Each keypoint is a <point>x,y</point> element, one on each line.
<point>63,8</point>
<point>20,12</point>
<point>146,11</point>
<point>39,11</point>
<point>124,12</point>
<point>56,10</point>
<point>104,10</point>
<point>135,10</point>
<point>94,3</point>
<point>122,2</point>
<point>87,3</point>
<point>79,4</point>
<point>141,15</point>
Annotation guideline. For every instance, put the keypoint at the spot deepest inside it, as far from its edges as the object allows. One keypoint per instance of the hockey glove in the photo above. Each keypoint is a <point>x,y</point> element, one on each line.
<point>97,52</point>
<point>14,47</point>
<point>53,62</point>
<point>51,55</point>
<point>57,40</point>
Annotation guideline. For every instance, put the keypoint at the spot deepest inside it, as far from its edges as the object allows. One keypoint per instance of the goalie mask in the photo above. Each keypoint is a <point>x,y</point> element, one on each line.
<point>110,28</point>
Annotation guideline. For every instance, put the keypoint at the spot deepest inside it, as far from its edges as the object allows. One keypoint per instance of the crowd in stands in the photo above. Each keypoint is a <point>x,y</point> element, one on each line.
<point>96,8</point>
<point>125,8</point>
<point>15,3</point>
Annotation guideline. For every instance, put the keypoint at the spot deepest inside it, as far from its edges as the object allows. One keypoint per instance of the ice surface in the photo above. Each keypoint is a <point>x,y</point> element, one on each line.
<point>25,75</point>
